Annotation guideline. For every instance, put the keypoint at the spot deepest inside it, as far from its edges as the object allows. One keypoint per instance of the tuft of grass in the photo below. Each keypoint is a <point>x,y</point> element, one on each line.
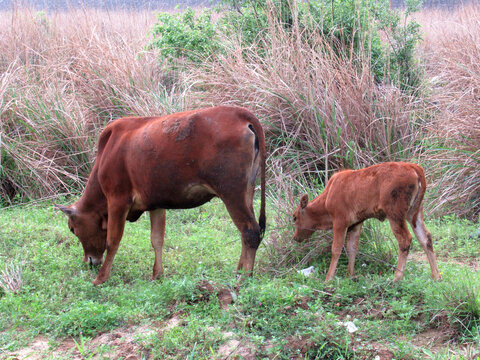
<point>461,300</point>
<point>11,280</point>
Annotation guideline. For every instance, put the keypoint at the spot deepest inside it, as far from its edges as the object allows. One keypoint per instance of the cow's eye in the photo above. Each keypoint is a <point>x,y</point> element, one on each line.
<point>73,232</point>
<point>294,219</point>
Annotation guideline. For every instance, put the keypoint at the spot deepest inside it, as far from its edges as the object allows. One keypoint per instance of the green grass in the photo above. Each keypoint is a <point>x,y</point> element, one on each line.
<point>282,316</point>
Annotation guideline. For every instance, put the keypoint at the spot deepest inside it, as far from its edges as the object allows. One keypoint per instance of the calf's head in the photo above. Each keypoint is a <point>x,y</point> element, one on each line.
<point>91,230</point>
<point>310,217</point>
<point>304,223</point>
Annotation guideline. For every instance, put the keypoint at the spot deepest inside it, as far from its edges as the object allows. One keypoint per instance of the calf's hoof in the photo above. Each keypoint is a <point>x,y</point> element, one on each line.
<point>98,281</point>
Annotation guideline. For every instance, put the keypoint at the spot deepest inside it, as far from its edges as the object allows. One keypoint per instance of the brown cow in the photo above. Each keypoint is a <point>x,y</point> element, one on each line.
<point>392,190</point>
<point>178,161</point>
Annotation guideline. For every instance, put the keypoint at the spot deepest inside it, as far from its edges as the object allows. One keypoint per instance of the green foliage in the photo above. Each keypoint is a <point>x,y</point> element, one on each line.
<point>454,237</point>
<point>185,36</point>
<point>403,38</point>
<point>348,25</point>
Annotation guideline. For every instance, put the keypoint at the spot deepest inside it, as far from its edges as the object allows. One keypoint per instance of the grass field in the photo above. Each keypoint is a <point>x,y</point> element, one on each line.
<point>65,75</point>
<point>199,311</point>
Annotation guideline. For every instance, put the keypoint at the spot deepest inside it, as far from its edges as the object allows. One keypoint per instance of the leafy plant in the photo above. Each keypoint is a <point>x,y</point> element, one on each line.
<point>185,36</point>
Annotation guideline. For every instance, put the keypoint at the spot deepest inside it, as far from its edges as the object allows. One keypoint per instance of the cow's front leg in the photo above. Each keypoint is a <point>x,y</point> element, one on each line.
<point>157,236</point>
<point>116,223</point>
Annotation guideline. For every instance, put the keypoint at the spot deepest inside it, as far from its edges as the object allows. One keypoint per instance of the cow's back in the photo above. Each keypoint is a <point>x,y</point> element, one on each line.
<point>176,161</point>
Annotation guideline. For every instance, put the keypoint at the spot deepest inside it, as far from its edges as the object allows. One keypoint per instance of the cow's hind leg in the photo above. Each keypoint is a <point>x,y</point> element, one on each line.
<point>353,235</point>
<point>425,239</point>
<point>404,238</point>
<point>117,215</point>
<point>244,219</point>
<point>157,236</point>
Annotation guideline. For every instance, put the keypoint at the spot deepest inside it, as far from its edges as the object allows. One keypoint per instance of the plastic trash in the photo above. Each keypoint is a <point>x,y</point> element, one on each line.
<point>308,271</point>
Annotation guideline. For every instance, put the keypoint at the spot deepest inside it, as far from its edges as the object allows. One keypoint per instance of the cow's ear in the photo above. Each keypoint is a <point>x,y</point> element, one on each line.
<point>304,201</point>
<point>67,210</point>
<point>104,223</point>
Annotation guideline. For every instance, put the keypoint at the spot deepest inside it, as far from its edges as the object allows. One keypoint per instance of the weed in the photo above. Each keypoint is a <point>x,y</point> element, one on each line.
<point>461,299</point>
<point>11,278</point>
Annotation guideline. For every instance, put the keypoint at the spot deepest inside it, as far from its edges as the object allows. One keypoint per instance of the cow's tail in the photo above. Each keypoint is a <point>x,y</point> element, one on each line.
<point>418,198</point>
<point>258,129</point>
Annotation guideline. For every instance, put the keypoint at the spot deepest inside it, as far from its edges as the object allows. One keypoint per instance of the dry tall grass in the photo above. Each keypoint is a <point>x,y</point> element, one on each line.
<point>451,51</point>
<point>63,76</point>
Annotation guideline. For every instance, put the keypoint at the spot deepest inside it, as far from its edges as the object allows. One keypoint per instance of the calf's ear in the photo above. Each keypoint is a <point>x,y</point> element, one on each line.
<point>67,210</point>
<point>304,201</point>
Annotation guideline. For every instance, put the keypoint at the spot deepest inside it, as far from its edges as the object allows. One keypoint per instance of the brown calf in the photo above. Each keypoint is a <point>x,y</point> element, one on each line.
<point>177,161</point>
<point>392,190</point>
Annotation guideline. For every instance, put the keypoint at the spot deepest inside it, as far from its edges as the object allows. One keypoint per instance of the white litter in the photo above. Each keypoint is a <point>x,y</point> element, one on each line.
<point>308,271</point>
<point>351,327</point>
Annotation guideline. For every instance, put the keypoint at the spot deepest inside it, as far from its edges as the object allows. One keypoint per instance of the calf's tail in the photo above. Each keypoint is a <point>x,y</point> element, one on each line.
<point>258,130</point>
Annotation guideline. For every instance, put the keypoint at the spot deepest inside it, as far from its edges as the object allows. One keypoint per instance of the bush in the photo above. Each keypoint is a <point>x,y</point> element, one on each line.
<point>185,36</point>
<point>348,26</point>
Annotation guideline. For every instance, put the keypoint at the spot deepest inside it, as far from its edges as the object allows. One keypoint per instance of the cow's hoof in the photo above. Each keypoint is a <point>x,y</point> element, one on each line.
<point>97,282</point>
<point>156,277</point>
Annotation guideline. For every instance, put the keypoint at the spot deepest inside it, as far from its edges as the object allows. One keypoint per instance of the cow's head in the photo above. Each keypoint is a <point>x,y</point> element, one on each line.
<point>91,230</point>
<point>304,223</point>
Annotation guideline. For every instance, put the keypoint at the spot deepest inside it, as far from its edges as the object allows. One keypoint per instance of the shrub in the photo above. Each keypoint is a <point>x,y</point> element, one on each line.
<point>348,26</point>
<point>185,36</point>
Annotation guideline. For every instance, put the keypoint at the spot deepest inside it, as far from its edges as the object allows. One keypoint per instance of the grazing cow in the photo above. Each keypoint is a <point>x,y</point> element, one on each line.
<point>392,190</point>
<point>177,161</point>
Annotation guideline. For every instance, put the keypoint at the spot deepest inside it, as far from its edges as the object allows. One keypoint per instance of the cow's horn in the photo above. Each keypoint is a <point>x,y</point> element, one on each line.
<point>67,209</point>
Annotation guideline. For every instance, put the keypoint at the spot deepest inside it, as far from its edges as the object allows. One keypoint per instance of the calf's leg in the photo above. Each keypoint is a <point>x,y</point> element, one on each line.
<point>425,239</point>
<point>404,239</point>
<point>157,236</point>
<point>352,247</point>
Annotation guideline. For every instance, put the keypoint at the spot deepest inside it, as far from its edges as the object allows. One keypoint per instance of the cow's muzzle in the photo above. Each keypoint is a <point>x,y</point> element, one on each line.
<point>94,261</point>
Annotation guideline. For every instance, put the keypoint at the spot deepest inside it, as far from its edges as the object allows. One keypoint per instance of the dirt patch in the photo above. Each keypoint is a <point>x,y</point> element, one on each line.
<point>236,349</point>
<point>300,344</point>
<point>436,340</point>
<point>207,290</point>
<point>384,355</point>
<point>471,263</point>
<point>34,352</point>
<point>125,342</point>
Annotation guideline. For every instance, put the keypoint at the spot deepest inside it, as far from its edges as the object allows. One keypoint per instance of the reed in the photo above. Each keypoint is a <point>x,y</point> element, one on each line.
<point>63,77</point>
